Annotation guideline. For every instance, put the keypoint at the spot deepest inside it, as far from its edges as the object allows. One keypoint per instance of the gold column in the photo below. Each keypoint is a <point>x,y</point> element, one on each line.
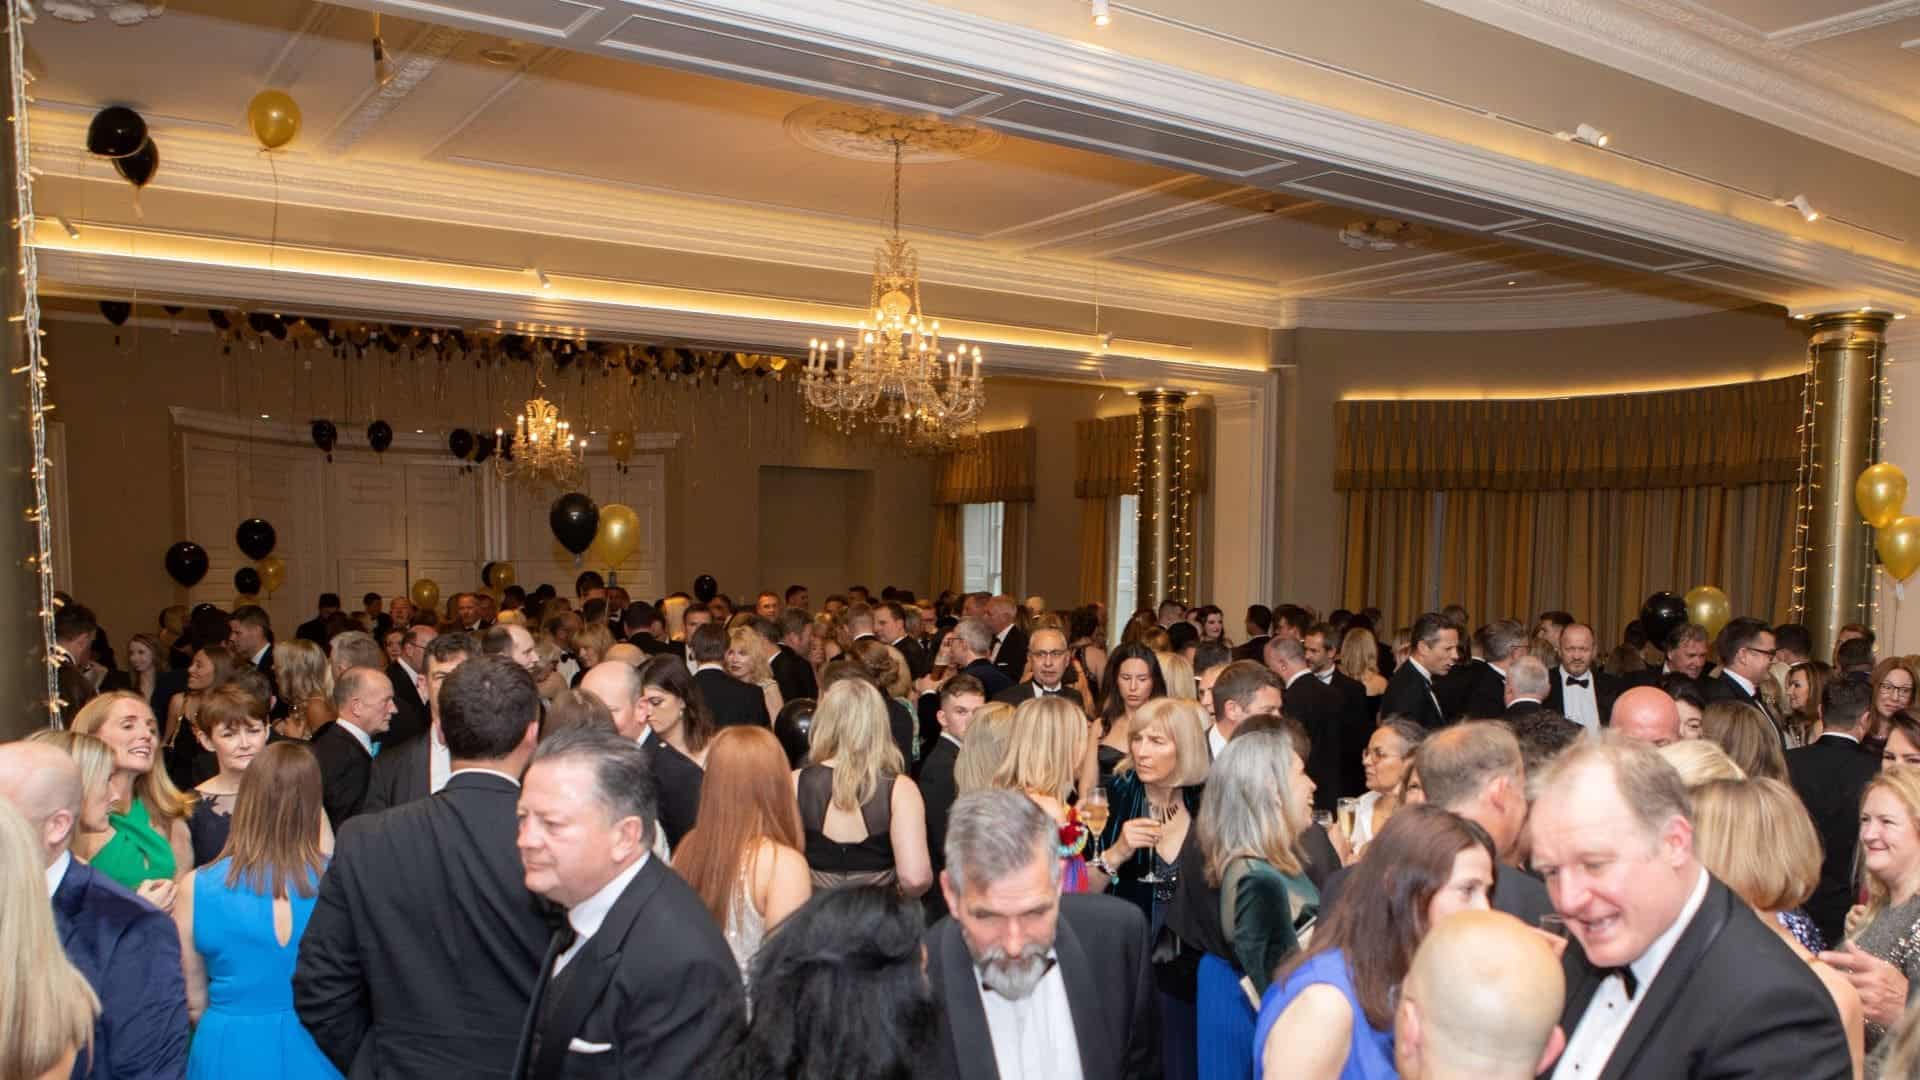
<point>1163,563</point>
<point>23,684</point>
<point>1846,355</point>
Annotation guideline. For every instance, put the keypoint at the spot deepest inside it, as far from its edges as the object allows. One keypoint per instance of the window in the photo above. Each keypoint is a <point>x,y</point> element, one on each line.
<point>1126,556</point>
<point>982,526</point>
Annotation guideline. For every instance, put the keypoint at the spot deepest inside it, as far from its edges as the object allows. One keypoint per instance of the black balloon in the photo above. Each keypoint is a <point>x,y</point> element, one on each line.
<point>324,436</point>
<point>575,519</point>
<point>116,131</point>
<point>379,436</point>
<point>460,443</point>
<point>486,575</point>
<point>259,322</point>
<point>139,166</point>
<point>482,448</point>
<point>255,538</point>
<point>246,581</point>
<point>172,309</point>
<point>187,563</point>
<point>705,588</point>
<point>1662,612</point>
<point>219,319</point>
<point>116,311</point>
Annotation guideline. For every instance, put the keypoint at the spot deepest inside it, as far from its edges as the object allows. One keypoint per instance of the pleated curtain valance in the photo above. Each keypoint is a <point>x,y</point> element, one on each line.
<point>1105,454</point>
<point>1720,435</point>
<point>997,468</point>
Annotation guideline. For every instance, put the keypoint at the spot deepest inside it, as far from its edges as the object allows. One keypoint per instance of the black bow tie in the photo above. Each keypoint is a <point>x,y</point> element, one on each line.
<point>1571,681</point>
<point>1626,978</point>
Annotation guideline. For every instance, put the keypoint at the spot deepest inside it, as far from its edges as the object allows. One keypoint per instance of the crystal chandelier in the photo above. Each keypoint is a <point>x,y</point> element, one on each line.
<point>543,451</point>
<point>897,375</point>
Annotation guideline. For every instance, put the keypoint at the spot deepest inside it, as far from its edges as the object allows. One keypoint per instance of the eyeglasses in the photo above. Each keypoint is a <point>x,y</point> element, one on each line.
<point>1896,690</point>
<point>1768,653</point>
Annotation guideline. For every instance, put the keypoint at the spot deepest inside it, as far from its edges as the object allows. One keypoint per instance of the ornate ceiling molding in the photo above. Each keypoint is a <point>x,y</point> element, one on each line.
<point>864,133</point>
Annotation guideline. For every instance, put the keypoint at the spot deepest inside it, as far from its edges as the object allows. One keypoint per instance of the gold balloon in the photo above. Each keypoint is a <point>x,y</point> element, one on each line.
<point>619,535</point>
<point>274,118</point>
<point>503,575</point>
<point>273,573</point>
<point>622,446</point>
<point>426,594</point>
<point>1899,546</point>
<point>1880,493</point>
<point>1709,607</point>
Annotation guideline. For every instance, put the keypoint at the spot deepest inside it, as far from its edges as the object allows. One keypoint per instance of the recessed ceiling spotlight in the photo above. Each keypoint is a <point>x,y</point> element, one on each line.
<point>1800,203</point>
<point>264,416</point>
<point>1512,283</point>
<point>1102,12</point>
<point>500,55</point>
<point>1584,133</point>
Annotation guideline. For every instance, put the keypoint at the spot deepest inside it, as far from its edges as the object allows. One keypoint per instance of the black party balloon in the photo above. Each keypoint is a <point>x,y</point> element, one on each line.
<point>486,575</point>
<point>187,563</point>
<point>277,327</point>
<point>116,311</point>
<point>219,319</point>
<point>705,588</point>
<point>172,309</point>
<point>255,538</point>
<point>482,448</point>
<point>140,166</point>
<point>460,443</point>
<point>379,436</point>
<point>259,322</point>
<point>246,581</point>
<point>575,519</point>
<point>1662,612</point>
<point>116,131</point>
<point>324,436</point>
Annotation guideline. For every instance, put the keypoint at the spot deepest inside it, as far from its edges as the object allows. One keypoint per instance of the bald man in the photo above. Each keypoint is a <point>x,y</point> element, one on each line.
<point>128,950</point>
<point>618,685</point>
<point>1482,1002</point>
<point>630,655</point>
<point>1648,714</point>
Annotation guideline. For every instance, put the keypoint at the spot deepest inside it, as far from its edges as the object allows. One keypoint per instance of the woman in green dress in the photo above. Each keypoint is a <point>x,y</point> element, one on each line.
<point>146,845</point>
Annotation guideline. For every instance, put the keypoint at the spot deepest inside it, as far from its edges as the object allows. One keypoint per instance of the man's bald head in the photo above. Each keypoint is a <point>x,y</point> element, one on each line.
<point>1482,1000</point>
<point>617,684</point>
<point>43,783</point>
<point>1648,714</point>
<point>628,654</point>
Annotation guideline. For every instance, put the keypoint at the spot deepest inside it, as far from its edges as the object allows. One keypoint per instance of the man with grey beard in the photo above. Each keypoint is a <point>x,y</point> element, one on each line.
<point>1031,983</point>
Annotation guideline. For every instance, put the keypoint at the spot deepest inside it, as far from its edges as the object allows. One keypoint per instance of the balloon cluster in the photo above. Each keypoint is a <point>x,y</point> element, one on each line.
<point>1664,612</point>
<point>1881,494</point>
<point>119,133</point>
<point>186,561</point>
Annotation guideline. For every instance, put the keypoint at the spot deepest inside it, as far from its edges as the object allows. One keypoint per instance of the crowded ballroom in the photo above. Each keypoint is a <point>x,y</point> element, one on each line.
<point>959,539</point>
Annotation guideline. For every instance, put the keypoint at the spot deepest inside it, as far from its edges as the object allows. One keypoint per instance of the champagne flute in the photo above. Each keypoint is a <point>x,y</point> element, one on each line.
<point>1161,816</point>
<point>1094,811</point>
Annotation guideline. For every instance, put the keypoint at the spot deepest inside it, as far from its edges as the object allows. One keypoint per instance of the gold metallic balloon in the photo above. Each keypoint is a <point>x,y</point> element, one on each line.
<point>622,446</point>
<point>1709,607</point>
<point>503,575</point>
<point>274,118</point>
<point>1881,493</point>
<point>426,594</point>
<point>273,573</point>
<point>1899,546</point>
<point>618,538</point>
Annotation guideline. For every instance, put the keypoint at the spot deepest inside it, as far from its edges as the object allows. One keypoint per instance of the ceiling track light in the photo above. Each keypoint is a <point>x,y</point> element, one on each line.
<point>545,281</point>
<point>72,233</point>
<point>1799,203</point>
<point>1584,133</point>
<point>1102,12</point>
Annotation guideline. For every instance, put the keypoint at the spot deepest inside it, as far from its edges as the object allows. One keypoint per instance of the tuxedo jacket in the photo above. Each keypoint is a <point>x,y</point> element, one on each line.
<point>400,775</point>
<point>1408,695</point>
<point>794,676</point>
<point>129,952</point>
<point>314,630</point>
<point>1830,776</point>
<point>1486,693</point>
<point>1606,689</point>
<point>1356,727</point>
<point>1012,657</point>
<point>410,714</point>
<point>1254,648</point>
<point>1019,692</point>
<point>992,679</point>
<point>1322,710</point>
<point>1722,688</point>
<point>655,992</point>
<point>938,789</point>
<point>730,701</point>
<point>346,772</point>
<point>1732,1000</point>
<point>1521,708</point>
<point>1104,954</point>
<point>424,945</point>
<point>919,660</point>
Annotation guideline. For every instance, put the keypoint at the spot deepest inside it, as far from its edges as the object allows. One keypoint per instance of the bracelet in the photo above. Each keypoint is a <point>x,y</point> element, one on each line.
<point>1099,862</point>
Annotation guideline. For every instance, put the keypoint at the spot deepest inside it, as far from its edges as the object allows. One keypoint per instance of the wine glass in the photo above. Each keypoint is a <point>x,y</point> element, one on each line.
<point>1161,816</point>
<point>1094,812</point>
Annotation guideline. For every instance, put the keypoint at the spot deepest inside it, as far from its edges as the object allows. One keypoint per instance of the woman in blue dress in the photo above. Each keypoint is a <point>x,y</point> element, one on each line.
<point>240,919</point>
<point>1328,1015</point>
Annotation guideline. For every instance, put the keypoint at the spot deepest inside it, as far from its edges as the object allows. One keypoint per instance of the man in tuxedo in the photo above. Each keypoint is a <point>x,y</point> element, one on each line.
<point>643,627</point>
<point>125,948</point>
<point>1830,775</point>
<point>1291,621</point>
<point>1581,692</point>
<point>1048,652</point>
<point>677,779</point>
<point>729,700</point>
<point>1430,655</point>
<point>1501,642</point>
<point>1668,973</point>
<point>1319,708</point>
<point>1646,713</point>
<point>792,671</point>
<point>424,945</point>
<point>959,697</point>
<point>767,605</point>
<point>363,700</point>
<point>74,627</point>
<point>467,614</point>
<point>890,626</point>
<point>1527,686</point>
<point>1322,646</point>
<point>1259,625</point>
<point>1482,1001</point>
<point>798,597</point>
<point>859,622</point>
<point>1009,651</point>
<point>1030,982</point>
<point>315,629</point>
<point>969,649</point>
<point>511,642</point>
<point>408,675</point>
<point>1746,652</point>
<point>420,767</point>
<point>252,639</point>
<point>1244,688</point>
<point>639,981</point>
<point>1686,650</point>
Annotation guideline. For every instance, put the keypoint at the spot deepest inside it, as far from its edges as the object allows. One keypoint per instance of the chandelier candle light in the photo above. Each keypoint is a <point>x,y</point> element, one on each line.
<point>544,449</point>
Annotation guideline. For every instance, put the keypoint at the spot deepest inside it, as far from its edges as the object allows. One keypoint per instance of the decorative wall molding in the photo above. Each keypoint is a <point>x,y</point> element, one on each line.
<point>299,433</point>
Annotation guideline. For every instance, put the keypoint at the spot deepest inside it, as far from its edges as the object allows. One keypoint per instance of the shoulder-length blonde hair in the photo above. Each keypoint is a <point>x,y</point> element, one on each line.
<point>1241,816</point>
<point>1903,783</point>
<point>1184,723</point>
<point>851,727</point>
<point>983,747</point>
<point>94,757</point>
<point>1700,762</point>
<point>302,672</point>
<point>154,788</point>
<point>1757,837</point>
<point>755,648</point>
<point>1178,673</point>
<point>49,1008</point>
<point>1747,736</point>
<point>1044,748</point>
<point>1359,653</point>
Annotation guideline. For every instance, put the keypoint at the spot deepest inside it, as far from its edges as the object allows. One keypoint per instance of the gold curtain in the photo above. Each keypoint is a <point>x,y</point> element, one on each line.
<point>1389,554</point>
<point>946,548</point>
<point>1106,450</point>
<point>1094,556</point>
<point>998,468</point>
<point>1013,549</point>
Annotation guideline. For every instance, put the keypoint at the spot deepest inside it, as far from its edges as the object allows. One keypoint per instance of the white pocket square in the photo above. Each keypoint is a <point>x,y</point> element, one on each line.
<point>582,1046</point>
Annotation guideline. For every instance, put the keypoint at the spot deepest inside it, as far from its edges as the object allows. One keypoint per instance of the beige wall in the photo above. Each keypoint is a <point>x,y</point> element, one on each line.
<point>1331,365</point>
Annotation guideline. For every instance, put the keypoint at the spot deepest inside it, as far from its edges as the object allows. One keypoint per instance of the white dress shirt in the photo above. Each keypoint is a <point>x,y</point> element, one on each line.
<point>1610,1012</point>
<point>1216,741</point>
<point>1578,703</point>
<point>1033,1038</point>
<point>586,916</point>
<point>1326,677</point>
<point>1431,696</point>
<point>361,737</point>
<point>999,639</point>
<point>439,762</point>
<point>263,651</point>
<point>58,872</point>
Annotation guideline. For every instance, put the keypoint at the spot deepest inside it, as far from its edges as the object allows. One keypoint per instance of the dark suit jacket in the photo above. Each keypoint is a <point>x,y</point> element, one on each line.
<point>1356,727</point>
<point>129,952</point>
<point>1408,695</point>
<point>1019,692</point>
<point>939,791</point>
<point>424,945</point>
<point>314,630</point>
<point>678,780</point>
<point>1486,693</point>
<point>410,716</point>
<point>1521,708</point>
<point>400,776</point>
<point>794,675</point>
<point>919,660</point>
<point>346,772</point>
<point>1254,648</point>
<point>730,701</point>
<point>1606,689</point>
<point>1321,709</point>
<point>1722,688</point>
<point>1012,657</point>
<point>1830,776</point>
<point>656,986</point>
<point>1731,1001</point>
<point>1103,949</point>
<point>651,645</point>
<point>992,679</point>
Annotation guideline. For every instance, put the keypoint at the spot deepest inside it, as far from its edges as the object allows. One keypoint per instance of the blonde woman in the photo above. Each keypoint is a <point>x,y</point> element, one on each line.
<point>750,659</point>
<point>48,1019</point>
<point>146,845</point>
<point>306,685</point>
<point>1044,748</point>
<point>983,747</point>
<point>1700,762</point>
<point>1152,797</point>
<point>1360,661</point>
<point>95,759</point>
<point>590,644</point>
<point>1747,736</point>
<point>1881,956</point>
<point>1177,670</point>
<point>864,820</point>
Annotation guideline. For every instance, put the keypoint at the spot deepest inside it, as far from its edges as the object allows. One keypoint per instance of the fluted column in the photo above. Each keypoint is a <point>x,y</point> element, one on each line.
<point>1846,354</point>
<point>1165,565</point>
<point>23,672</point>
